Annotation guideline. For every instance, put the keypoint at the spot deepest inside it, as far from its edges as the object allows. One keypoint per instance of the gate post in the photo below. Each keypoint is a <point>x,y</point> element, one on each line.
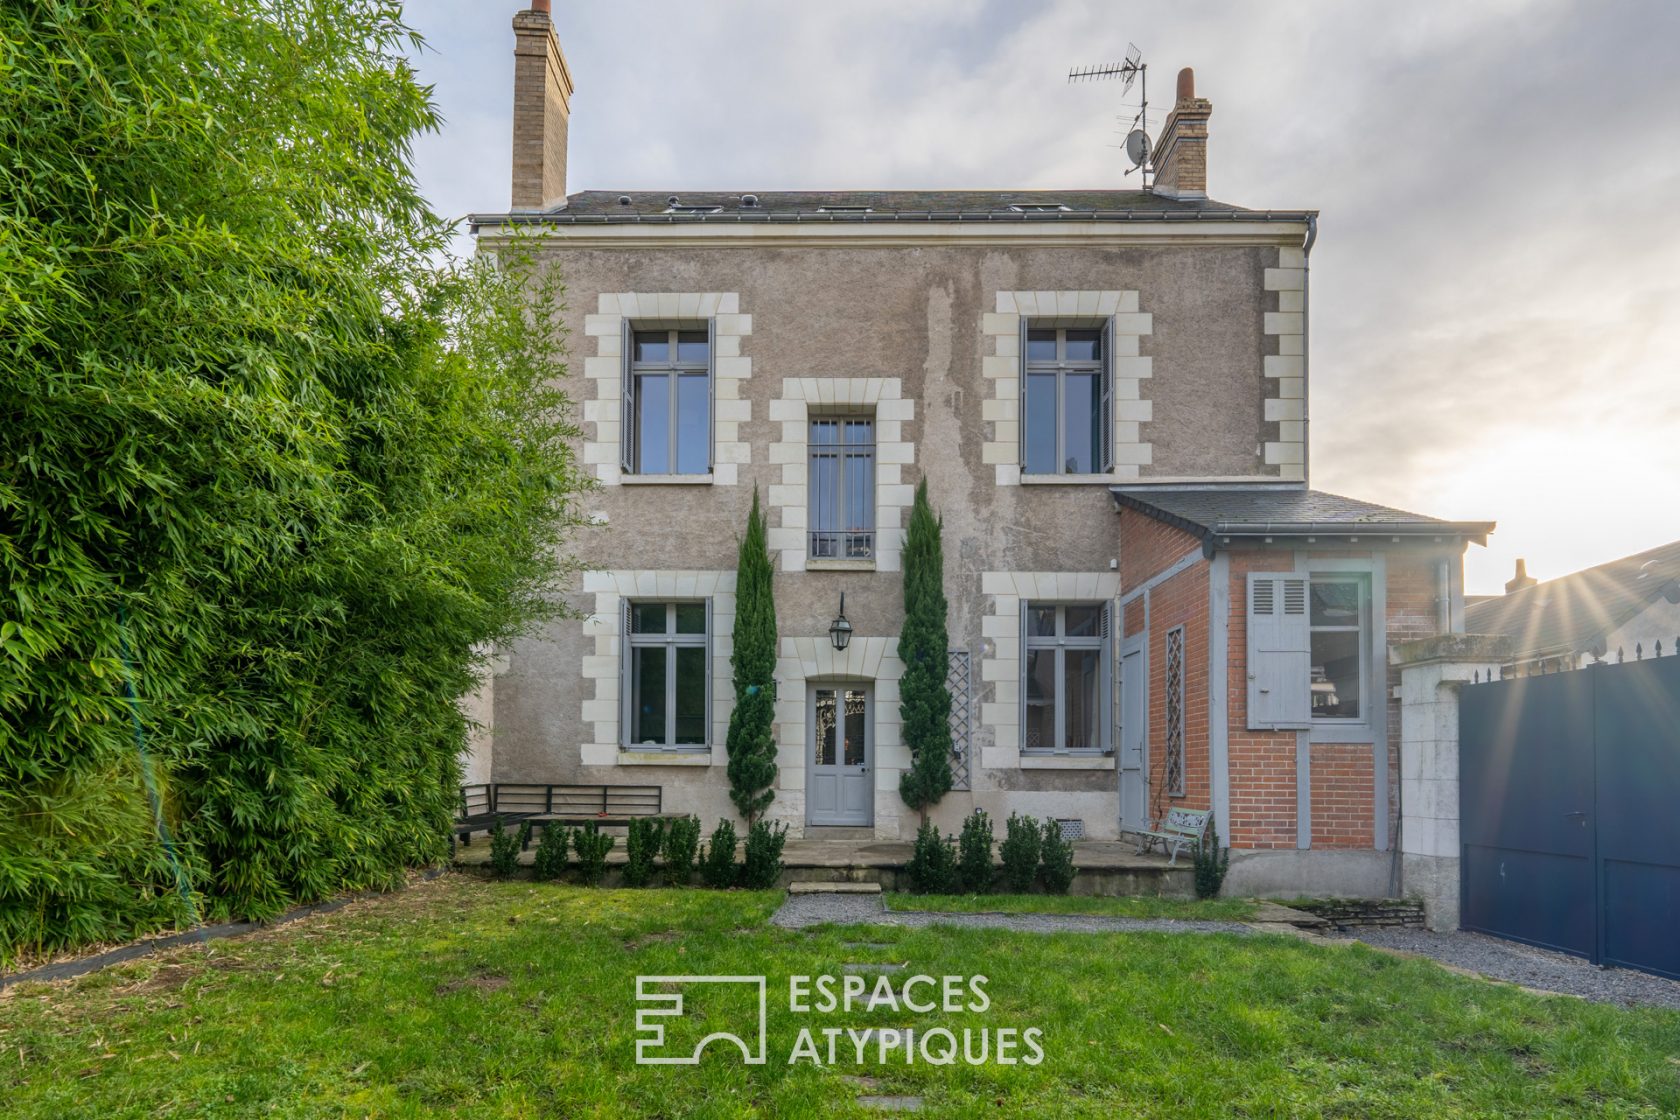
<point>1431,672</point>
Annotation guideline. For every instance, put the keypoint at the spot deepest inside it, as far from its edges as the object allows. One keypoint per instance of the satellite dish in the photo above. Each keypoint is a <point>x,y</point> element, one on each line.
<point>1137,147</point>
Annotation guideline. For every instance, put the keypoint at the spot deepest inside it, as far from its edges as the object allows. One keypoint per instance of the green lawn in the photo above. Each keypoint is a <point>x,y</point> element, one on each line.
<point>468,998</point>
<point>1206,910</point>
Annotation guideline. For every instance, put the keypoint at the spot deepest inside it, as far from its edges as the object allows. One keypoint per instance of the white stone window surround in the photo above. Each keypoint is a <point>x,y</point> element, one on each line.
<point>1001,410</point>
<point>866,658</point>
<point>1000,662</point>
<point>803,396</point>
<point>600,714</point>
<point>1286,399</point>
<point>730,409</point>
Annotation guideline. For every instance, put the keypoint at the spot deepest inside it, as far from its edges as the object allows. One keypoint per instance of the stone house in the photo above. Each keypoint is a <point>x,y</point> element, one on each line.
<point>1106,391</point>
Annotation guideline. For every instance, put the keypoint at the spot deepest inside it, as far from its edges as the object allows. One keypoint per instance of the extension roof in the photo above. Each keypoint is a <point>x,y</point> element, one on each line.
<point>1226,515</point>
<point>1576,612</point>
<point>654,207</point>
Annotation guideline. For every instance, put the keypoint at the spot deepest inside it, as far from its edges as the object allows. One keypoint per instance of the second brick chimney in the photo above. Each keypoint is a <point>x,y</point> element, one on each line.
<point>1180,155</point>
<point>542,96</point>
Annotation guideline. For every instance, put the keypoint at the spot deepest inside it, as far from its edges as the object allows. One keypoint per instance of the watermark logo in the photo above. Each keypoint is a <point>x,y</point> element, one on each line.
<point>656,1006</point>
<point>661,1004</point>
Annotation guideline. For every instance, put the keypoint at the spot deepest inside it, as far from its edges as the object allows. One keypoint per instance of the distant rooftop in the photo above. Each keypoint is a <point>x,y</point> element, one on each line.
<point>1573,612</point>
<point>609,207</point>
<point>1221,515</point>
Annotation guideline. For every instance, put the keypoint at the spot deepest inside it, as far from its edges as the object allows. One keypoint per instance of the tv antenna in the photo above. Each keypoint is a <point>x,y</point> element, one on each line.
<point>1133,69</point>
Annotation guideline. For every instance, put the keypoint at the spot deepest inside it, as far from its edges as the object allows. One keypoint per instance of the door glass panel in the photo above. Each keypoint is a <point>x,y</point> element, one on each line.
<point>1083,622</point>
<point>1335,673</point>
<point>653,424</point>
<point>1041,622</point>
<point>647,618</point>
<point>691,694</point>
<point>1079,423</point>
<point>1040,731</point>
<point>648,695</point>
<point>1335,604</point>
<point>693,424</point>
<point>825,720</point>
<point>857,707</point>
<point>1084,693</point>
<point>691,618</point>
<point>1041,424</point>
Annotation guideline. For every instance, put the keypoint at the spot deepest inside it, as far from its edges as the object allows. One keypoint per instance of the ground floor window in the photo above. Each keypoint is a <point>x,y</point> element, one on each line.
<point>1064,687</point>
<point>668,673</point>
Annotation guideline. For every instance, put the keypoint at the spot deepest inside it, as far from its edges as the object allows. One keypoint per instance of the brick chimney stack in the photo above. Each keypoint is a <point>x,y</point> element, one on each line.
<point>1522,579</point>
<point>542,95</point>
<point>1180,155</point>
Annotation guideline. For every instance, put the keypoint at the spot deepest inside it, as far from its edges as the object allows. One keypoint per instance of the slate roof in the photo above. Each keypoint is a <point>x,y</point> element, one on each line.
<point>1573,613</point>
<point>1223,515</point>
<point>654,207</point>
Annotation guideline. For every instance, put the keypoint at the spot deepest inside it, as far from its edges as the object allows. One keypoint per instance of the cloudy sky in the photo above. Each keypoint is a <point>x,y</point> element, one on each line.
<point>1496,286</point>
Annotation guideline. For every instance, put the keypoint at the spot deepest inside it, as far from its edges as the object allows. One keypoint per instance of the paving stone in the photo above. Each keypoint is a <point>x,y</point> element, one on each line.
<point>892,1103</point>
<point>872,968</point>
<point>834,888</point>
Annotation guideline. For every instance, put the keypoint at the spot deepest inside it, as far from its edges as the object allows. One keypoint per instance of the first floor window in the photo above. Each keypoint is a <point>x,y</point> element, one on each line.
<point>669,674</point>
<point>1066,402</point>
<point>1065,677</point>
<point>842,481</point>
<point>668,401</point>
<point>1337,620</point>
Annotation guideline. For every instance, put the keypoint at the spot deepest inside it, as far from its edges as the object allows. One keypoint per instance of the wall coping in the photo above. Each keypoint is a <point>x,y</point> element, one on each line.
<point>1443,648</point>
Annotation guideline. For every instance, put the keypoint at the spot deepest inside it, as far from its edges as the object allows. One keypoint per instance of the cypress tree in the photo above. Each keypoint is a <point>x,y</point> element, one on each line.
<point>925,703</point>
<point>752,742</point>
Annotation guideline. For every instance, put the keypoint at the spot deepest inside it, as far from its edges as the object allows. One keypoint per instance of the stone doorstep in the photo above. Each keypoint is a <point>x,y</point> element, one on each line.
<point>810,887</point>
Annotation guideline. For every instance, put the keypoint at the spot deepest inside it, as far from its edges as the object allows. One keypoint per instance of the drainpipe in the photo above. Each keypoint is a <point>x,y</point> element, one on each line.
<point>1306,344</point>
<point>1443,597</point>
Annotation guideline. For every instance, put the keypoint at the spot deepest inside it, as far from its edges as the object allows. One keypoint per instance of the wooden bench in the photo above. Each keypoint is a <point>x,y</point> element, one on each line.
<point>1183,828</point>
<point>514,802</point>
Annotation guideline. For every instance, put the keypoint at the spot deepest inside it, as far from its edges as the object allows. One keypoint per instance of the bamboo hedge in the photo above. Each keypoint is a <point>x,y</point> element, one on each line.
<point>271,476</point>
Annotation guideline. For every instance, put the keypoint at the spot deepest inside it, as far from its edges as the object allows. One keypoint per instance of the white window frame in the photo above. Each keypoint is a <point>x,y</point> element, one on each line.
<point>670,641</point>
<point>1059,642</point>
<point>1362,628</point>
<point>1061,366</point>
<point>673,370</point>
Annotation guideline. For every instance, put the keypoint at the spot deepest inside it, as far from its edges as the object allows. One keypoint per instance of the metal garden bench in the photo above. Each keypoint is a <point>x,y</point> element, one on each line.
<point>516,802</point>
<point>1183,828</point>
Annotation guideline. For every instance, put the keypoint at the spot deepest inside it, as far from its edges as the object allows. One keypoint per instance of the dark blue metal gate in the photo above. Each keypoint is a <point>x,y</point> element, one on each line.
<point>1569,812</point>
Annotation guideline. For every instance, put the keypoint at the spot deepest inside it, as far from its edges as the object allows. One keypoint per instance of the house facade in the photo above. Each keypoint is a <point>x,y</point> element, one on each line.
<point>1106,393</point>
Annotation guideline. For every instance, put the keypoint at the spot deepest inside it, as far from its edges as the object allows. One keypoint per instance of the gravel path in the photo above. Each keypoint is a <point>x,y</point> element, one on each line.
<point>1528,966</point>
<point>804,910</point>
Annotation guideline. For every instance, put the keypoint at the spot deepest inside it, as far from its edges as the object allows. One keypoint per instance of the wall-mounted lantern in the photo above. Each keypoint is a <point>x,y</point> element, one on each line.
<point>840,631</point>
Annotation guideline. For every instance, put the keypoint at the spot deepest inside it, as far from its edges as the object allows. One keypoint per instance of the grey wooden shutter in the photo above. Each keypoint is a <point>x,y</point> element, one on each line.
<point>711,671</point>
<point>711,414</point>
<point>1106,627</point>
<point>626,397</point>
<point>1021,415</point>
<point>624,711</point>
<point>1021,716</point>
<point>1107,420</point>
<point>1279,652</point>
